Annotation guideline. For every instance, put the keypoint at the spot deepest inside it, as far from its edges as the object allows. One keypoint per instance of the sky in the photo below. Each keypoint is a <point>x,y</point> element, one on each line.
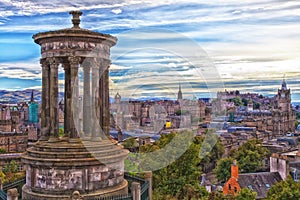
<point>206,46</point>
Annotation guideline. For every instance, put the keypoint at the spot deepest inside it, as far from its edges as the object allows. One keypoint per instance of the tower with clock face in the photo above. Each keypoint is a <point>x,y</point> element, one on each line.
<point>284,98</point>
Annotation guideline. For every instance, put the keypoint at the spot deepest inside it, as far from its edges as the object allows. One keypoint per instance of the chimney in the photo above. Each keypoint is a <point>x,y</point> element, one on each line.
<point>234,170</point>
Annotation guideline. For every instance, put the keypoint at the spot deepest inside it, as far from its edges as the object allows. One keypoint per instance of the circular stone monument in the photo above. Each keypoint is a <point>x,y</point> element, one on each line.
<point>83,159</point>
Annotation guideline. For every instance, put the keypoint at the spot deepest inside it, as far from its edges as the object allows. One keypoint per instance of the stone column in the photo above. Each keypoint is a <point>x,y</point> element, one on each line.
<point>105,96</point>
<point>53,98</point>
<point>86,99</point>
<point>74,64</point>
<point>148,177</point>
<point>136,191</point>
<point>12,194</point>
<point>100,108</point>
<point>67,99</point>
<point>45,129</point>
<point>95,99</point>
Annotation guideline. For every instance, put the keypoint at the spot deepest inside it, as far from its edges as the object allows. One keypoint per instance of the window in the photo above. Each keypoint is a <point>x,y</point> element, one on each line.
<point>229,187</point>
<point>235,189</point>
<point>250,187</point>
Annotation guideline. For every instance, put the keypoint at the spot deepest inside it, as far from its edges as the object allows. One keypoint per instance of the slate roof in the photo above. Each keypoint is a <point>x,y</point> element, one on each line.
<point>259,182</point>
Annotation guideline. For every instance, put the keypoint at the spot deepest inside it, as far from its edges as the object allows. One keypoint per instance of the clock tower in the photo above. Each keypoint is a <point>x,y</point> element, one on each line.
<point>284,98</point>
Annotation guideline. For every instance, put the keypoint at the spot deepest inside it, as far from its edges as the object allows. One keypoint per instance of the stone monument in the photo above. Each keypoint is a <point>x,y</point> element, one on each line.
<point>82,161</point>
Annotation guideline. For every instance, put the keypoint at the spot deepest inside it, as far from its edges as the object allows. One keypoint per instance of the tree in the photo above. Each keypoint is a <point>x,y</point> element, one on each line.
<point>222,170</point>
<point>256,105</point>
<point>2,176</point>
<point>12,167</point>
<point>220,196</point>
<point>130,144</point>
<point>61,132</point>
<point>250,155</point>
<point>211,151</point>
<point>10,171</point>
<point>288,189</point>
<point>245,101</point>
<point>182,112</point>
<point>181,176</point>
<point>246,194</point>
<point>237,101</point>
<point>2,151</point>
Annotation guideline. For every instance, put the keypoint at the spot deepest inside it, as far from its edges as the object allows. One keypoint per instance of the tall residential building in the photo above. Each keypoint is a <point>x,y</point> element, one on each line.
<point>33,110</point>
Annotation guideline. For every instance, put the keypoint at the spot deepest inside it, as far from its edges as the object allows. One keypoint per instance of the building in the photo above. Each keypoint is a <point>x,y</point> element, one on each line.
<point>153,115</point>
<point>274,114</point>
<point>13,142</point>
<point>33,110</point>
<point>257,182</point>
<point>179,95</point>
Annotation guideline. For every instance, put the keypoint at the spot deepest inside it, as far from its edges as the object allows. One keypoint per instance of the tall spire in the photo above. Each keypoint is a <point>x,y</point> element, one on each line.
<point>283,85</point>
<point>179,96</point>
<point>32,97</point>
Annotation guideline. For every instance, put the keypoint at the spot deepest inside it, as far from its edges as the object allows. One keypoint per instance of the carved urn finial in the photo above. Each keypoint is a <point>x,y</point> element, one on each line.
<point>76,18</point>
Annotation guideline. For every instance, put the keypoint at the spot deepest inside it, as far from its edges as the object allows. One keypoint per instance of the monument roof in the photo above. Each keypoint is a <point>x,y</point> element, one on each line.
<point>75,31</point>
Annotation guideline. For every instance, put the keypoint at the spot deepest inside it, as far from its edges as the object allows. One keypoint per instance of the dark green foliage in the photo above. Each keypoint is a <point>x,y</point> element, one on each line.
<point>222,170</point>
<point>181,176</point>
<point>2,150</point>
<point>288,189</point>
<point>182,112</point>
<point>256,105</point>
<point>246,194</point>
<point>12,167</point>
<point>250,155</point>
<point>237,101</point>
<point>219,196</point>
<point>130,143</point>
<point>297,115</point>
<point>245,101</point>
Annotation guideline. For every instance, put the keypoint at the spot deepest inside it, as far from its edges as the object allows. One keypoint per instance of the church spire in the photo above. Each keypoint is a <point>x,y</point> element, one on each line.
<point>179,96</point>
<point>283,85</point>
<point>32,97</point>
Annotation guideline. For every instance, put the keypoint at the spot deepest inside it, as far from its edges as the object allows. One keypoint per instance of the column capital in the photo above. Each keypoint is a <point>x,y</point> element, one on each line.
<point>74,60</point>
<point>104,61</point>
<point>43,62</point>
<point>54,62</point>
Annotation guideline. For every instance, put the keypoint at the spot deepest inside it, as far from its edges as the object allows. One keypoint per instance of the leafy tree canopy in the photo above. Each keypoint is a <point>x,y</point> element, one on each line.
<point>246,194</point>
<point>249,155</point>
<point>288,189</point>
<point>222,170</point>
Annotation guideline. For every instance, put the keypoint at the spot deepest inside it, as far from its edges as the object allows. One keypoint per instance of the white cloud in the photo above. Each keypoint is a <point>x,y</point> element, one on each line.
<point>116,11</point>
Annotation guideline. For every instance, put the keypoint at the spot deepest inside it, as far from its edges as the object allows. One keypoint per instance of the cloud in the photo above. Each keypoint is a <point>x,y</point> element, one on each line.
<point>116,11</point>
<point>242,40</point>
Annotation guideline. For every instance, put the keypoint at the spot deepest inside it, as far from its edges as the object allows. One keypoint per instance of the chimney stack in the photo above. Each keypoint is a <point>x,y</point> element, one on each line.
<point>234,170</point>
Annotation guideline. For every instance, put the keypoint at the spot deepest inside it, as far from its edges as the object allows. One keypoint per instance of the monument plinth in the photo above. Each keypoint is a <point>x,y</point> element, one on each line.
<point>82,160</point>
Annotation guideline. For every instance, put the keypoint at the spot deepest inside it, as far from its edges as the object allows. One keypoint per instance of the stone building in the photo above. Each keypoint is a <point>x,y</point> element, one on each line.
<point>13,142</point>
<point>152,115</point>
<point>275,114</point>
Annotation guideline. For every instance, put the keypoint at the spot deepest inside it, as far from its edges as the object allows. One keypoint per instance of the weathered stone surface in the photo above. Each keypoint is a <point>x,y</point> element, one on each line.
<point>66,167</point>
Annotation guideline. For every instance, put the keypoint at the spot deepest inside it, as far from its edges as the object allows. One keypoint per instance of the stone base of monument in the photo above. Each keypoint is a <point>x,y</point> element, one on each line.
<point>89,168</point>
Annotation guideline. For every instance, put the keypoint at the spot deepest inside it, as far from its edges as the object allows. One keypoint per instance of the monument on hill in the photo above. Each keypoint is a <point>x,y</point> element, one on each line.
<point>81,162</point>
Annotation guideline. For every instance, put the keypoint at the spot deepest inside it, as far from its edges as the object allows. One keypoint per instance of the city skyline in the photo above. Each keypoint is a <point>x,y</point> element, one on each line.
<point>251,46</point>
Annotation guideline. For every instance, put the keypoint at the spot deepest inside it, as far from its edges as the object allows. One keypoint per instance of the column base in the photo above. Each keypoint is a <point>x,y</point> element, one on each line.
<point>74,140</point>
<point>44,138</point>
<point>53,140</point>
<point>122,189</point>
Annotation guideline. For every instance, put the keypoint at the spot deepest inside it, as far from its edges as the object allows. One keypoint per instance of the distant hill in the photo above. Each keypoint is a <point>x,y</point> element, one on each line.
<point>21,96</point>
